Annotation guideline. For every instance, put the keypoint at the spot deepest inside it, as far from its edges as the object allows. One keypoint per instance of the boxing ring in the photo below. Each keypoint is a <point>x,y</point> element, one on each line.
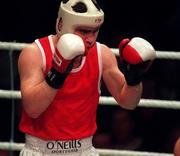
<point>15,94</point>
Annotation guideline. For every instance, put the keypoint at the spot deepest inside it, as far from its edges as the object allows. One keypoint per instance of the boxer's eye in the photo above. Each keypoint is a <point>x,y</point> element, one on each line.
<point>84,31</point>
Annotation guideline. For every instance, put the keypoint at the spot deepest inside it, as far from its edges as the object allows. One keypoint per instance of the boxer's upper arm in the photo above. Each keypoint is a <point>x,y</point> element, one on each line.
<point>30,66</point>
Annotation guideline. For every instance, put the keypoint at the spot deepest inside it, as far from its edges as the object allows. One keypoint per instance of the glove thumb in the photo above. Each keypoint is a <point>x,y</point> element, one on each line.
<point>122,44</point>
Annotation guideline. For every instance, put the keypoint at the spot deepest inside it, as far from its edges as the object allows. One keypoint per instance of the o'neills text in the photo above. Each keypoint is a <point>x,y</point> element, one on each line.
<point>64,146</point>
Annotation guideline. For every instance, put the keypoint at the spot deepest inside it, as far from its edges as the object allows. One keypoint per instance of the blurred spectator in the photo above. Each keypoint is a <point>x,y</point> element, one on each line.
<point>153,128</point>
<point>4,153</point>
<point>122,135</point>
<point>124,131</point>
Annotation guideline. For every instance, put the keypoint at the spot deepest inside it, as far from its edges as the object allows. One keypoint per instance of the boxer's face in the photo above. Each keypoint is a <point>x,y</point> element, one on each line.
<point>88,34</point>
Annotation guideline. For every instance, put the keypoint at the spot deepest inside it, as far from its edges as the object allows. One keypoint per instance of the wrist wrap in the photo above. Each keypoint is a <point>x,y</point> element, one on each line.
<point>133,80</point>
<point>55,79</point>
<point>133,73</point>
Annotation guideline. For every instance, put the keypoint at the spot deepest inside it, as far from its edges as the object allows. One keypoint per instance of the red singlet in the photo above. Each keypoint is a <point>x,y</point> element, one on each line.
<point>72,114</point>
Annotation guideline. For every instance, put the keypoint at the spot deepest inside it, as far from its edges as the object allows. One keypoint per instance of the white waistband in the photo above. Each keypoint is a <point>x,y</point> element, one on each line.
<point>57,146</point>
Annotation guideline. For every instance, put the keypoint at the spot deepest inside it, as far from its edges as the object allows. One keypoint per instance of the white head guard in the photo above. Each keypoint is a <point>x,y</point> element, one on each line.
<point>76,13</point>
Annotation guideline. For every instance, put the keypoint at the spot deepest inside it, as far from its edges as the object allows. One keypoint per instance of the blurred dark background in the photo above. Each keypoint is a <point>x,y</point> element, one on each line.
<point>158,21</point>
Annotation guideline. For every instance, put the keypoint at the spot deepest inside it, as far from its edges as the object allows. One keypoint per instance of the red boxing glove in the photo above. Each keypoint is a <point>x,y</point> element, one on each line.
<point>68,47</point>
<point>136,56</point>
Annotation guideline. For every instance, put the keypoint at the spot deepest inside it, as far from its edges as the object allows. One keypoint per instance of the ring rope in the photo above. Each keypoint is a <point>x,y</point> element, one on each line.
<point>9,94</point>
<point>103,152</point>
<point>168,104</point>
<point>12,45</point>
<point>109,152</point>
<point>160,54</point>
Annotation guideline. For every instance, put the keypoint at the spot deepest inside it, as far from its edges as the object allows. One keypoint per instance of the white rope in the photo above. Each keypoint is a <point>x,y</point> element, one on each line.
<point>102,152</point>
<point>174,55</point>
<point>168,55</point>
<point>12,146</point>
<point>160,54</point>
<point>12,45</point>
<point>9,94</point>
<point>168,104</point>
<point>106,152</point>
